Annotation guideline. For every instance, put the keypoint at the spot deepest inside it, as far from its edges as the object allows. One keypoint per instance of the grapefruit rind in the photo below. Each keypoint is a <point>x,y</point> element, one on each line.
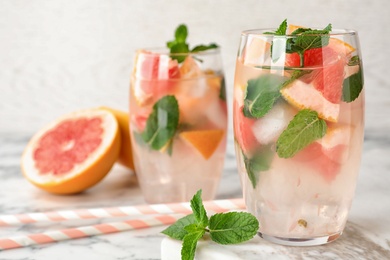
<point>205,142</point>
<point>304,96</point>
<point>126,153</point>
<point>85,174</point>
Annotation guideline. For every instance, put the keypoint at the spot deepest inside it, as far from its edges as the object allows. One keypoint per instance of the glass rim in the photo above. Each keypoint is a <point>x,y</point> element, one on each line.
<point>163,51</point>
<point>262,33</point>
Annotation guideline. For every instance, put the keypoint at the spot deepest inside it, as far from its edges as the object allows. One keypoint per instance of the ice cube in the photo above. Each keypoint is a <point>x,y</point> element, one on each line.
<point>268,128</point>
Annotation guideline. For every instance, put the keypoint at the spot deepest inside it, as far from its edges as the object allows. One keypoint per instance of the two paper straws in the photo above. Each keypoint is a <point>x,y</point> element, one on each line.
<point>150,216</point>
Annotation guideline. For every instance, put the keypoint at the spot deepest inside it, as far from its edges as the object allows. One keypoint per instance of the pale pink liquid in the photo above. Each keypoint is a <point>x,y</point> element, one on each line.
<point>177,177</point>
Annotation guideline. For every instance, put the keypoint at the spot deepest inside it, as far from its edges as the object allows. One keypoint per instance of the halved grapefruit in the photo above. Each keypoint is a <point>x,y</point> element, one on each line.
<point>204,141</point>
<point>72,153</point>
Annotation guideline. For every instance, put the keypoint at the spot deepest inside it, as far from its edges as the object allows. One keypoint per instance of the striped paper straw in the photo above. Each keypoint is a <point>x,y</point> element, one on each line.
<point>215,206</point>
<point>86,231</point>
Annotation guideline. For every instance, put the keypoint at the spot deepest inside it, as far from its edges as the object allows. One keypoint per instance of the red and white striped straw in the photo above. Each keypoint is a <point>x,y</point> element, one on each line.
<point>215,206</point>
<point>86,231</point>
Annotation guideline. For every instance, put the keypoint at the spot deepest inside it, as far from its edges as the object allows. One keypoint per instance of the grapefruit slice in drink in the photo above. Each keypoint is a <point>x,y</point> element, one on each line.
<point>72,153</point>
<point>327,154</point>
<point>204,141</point>
<point>153,76</point>
<point>243,131</point>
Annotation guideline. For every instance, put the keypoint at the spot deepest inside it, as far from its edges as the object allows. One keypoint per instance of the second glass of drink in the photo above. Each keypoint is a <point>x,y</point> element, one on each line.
<point>178,120</point>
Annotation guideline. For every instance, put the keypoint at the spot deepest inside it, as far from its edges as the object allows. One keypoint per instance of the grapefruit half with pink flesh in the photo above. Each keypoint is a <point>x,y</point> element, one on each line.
<point>72,153</point>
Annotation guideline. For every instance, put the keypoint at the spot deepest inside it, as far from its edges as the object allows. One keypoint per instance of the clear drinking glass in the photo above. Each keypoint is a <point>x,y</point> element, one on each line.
<point>299,125</point>
<point>178,120</point>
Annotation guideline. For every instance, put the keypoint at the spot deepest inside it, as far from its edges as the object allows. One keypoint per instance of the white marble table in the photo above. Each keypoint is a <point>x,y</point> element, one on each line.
<point>367,235</point>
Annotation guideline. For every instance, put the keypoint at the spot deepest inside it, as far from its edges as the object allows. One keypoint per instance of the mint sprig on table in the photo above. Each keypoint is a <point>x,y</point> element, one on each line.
<point>224,228</point>
<point>306,39</point>
<point>303,129</point>
<point>180,46</point>
<point>162,123</point>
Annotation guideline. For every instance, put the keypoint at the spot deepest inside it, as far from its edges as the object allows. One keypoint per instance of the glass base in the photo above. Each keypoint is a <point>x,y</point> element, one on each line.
<point>315,241</point>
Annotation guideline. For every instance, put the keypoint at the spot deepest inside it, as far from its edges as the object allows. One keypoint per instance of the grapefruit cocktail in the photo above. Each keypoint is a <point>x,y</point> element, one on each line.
<point>298,124</point>
<point>178,120</point>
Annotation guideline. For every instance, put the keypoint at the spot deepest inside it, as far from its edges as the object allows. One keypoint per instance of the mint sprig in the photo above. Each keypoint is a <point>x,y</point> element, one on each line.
<point>305,39</point>
<point>303,129</point>
<point>180,46</point>
<point>224,228</point>
<point>162,123</point>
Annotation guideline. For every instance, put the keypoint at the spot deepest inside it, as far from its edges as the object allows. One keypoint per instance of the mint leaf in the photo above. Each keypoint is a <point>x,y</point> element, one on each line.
<point>199,210</point>
<point>181,33</point>
<point>355,60</point>
<point>310,39</point>
<point>352,86</point>
<point>222,90</point>
<point>233,227</point>
<point>204,47</point>
<point>189,244</point>
<point>261,94</point>
<point>282,29</point>
<point>162,123</point>
<point>193,228</point>
<point>302,130</point>
<point>261,161</point>
<point>177,230</point>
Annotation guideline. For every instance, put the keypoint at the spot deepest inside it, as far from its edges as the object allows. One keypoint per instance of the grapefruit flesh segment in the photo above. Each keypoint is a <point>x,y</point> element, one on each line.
<point>327,155</point>
<point>204,141</point>
<point>153,76</point>
<point>243,132</point>
<point>303,95</point>
<point>73,153</point>
<point>68,144</point>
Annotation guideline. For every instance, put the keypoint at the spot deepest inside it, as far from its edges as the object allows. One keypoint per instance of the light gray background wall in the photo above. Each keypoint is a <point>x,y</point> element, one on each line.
<point>62,55</point>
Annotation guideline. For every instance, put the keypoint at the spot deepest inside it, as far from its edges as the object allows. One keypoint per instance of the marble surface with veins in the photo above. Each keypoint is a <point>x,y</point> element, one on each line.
<point>367,234</point>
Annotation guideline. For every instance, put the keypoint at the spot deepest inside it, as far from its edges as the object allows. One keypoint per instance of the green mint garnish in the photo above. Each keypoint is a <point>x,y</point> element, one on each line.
<point>190,242</point>
<point>177,230</point>
<point>199,210</point>
<point>162,123</point>
<point>180,46</point>
<point>202,47</point>
<point>261,94</point>
<point>352,86</point>
<point>222,90</point>
<point>282,29</point>
<point>303,129</point>
<point>232,228</point>
<point>355,60</point>
<point>260,161</point>
<point>224,228</point>
<point>306,39</point>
